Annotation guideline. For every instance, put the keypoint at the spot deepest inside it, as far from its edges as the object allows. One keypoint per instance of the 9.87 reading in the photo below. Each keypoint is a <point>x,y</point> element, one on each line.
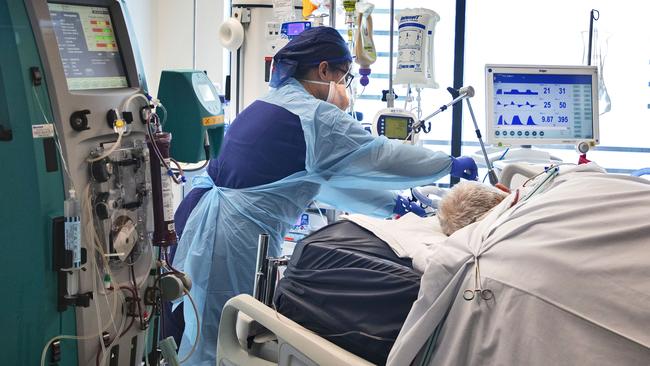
<point>560,119</point>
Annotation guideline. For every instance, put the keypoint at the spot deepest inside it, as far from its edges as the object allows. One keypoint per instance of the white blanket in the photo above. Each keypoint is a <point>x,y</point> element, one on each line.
<point>411,236</point>
<point>570,273</point>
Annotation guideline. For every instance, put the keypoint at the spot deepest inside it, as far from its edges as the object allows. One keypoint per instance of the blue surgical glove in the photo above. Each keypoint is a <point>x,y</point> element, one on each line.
<point>464,167</point>
<point>404,206</point>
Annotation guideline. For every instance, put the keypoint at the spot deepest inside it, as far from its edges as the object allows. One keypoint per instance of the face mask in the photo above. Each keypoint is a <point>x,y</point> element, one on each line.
<point>337,94</point>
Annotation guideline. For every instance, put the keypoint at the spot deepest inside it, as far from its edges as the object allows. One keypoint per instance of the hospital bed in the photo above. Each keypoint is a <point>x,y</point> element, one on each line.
<point>325,290</point>
<point>598,315</point>
<point>254,334</point>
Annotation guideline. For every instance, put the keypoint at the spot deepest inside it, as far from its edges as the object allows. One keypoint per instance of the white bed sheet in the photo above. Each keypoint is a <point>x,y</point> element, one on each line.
<point>410,236</point>
<point>570,272</point>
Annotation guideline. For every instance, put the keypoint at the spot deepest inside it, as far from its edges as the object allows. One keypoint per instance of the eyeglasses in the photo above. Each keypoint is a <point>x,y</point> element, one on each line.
<point>347,79</point>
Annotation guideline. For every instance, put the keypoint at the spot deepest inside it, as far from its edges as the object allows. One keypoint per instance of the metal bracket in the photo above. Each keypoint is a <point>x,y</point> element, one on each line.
<point>267,271</point>
<point>243,15</point>
<point>62,259</point>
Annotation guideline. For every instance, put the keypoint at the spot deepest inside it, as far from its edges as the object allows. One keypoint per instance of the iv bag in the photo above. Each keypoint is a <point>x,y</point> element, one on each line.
<point>598,53</point>
<point>416,28</point>
<point>364,46</point>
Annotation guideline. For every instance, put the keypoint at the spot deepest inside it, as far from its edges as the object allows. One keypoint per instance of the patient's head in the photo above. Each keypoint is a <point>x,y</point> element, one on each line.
<point>465,203</point>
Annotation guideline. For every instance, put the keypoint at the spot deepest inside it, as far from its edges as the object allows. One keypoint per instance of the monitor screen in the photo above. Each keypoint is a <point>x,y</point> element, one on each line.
<point>396,127</point>
<point>294,29</point>
<point>206,93</point>
<point>88,47</point>
<point>541,105</point>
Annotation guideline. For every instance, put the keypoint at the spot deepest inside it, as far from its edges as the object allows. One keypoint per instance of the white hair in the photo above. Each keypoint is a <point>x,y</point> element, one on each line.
<point>466,203</point>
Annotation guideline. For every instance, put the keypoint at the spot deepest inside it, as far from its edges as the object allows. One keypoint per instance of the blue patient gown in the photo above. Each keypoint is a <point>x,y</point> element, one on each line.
<point>344,166</point>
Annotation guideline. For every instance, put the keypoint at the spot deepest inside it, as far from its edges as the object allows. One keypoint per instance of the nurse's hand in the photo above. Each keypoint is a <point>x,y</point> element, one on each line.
<point>464,167</point>
<point>404,206</point>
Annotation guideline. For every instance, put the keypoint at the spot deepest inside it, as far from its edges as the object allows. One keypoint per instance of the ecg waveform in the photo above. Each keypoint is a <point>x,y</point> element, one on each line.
<point>517,92</point>
<point>516,121</point>
<point>519,105</point>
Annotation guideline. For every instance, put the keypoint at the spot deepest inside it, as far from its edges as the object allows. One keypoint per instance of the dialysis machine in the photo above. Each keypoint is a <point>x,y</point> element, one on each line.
<point>85,204</point>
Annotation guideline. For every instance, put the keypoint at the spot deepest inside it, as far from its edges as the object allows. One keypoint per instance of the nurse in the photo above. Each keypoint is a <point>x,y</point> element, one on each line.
<point>291,147</point>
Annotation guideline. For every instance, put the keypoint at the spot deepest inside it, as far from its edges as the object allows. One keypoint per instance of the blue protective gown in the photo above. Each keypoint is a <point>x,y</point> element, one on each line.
<point>343,166</point>
<point>254,153</point>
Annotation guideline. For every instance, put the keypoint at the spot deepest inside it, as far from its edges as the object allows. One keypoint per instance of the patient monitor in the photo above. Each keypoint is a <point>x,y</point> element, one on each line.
<point>539,105</point>
<point>529,105</point>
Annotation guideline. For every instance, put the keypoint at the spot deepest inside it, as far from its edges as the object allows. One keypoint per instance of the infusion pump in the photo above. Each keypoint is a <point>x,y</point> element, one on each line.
<point>395,123</point>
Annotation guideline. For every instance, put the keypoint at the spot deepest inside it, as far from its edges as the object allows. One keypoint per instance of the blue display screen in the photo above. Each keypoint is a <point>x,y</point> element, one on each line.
<point>542,107</point>
<point>294,29</point>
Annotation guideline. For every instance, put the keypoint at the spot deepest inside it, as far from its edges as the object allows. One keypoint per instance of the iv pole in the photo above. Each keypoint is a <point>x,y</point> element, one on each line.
<point>593,15</point>
<point>390,97</point>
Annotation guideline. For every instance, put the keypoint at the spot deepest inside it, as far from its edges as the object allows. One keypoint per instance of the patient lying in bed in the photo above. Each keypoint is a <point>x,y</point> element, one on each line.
<point>347,285</point>
<point>353,283</point>
<point>567,263</point>
<point>466,203</point>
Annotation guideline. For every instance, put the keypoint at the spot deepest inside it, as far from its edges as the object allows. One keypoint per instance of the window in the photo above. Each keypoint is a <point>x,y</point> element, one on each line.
<point>543,32</point>
<point>550,33</point>
<point>369,101</point>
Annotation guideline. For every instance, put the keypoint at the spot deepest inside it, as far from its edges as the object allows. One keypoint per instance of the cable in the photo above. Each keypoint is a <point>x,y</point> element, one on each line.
<point>174,271</point>
<point>362,91</point>
<point>186,170</point>
<point>90,230</point>
<point>162,160</point>
<point>58,143</point>
<point>198,327</point>
<point>146,346</point>
<point>97,310</point>
<point>503,155</point>
<point>178,166</point>
<point>206,151</point>
<point>128,101</point>
<point>92,236</point>
<point>320,212</point>
<point>56,137</point>
<point>162,310</point>
<point>76,337</point>
<point>101,340</point>
<point>110,313</point>
<point>500,158</point>
<point>47,345</point>
<point>408,95</point>
<point>110,151</point>
<point>419,100</point>
<point>133,293</point>
<point>169,265</point>
<point>164,119</point>
<point>146,275</point>
<point>137,299</point>
<point>119,333</point>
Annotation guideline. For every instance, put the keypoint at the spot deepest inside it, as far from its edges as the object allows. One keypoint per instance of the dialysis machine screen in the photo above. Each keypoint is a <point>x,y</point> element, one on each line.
<point>541,104</point>
<point>88,47</point>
